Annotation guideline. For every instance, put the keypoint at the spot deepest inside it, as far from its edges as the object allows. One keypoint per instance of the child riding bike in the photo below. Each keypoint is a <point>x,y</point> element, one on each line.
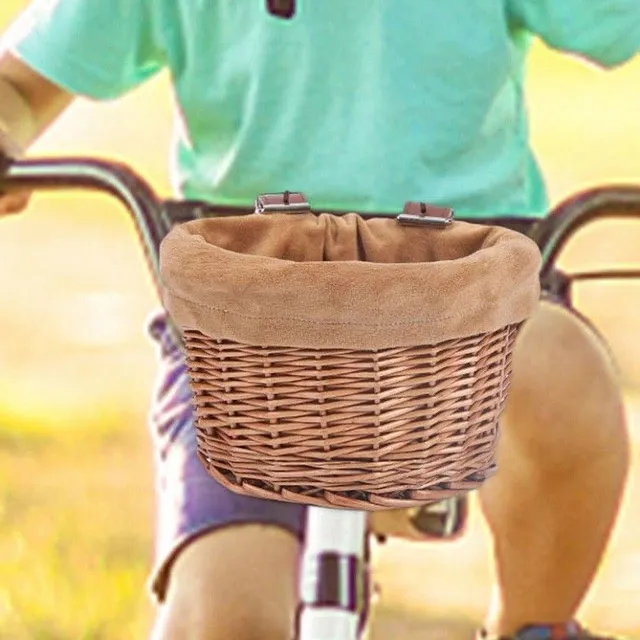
<point>363,105</point>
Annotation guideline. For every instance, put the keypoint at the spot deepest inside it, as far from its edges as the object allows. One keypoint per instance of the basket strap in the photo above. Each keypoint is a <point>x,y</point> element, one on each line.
<point>420,213</point>
<point>287,202</point>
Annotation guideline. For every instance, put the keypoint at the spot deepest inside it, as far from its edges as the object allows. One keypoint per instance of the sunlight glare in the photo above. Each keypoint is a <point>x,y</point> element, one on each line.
<point>98,319</point>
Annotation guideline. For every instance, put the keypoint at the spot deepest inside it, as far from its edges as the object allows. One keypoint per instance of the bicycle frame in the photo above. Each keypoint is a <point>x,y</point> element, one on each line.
<point>334,572</point>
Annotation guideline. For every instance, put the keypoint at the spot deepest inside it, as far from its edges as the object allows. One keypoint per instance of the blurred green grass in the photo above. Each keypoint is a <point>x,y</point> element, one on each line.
<point>76,501</point>
<point>74,554</point>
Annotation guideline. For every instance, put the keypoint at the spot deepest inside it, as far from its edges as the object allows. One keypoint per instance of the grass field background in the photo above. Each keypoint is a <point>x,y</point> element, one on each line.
<point>76,510</point>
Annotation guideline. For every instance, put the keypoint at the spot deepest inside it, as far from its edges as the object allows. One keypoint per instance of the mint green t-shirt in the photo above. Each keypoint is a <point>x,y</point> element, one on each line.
<point>360,104</point>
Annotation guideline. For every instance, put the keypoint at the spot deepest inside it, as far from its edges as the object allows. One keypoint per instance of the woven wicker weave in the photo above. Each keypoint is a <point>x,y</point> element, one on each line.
<point>369,428</point>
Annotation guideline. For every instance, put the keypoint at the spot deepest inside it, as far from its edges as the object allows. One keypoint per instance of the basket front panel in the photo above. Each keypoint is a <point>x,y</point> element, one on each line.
<point>361,429</point>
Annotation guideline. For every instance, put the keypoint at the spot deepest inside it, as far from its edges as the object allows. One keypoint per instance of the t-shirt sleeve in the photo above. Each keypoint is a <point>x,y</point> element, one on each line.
<point>604,31</point>
<point>100,49</point>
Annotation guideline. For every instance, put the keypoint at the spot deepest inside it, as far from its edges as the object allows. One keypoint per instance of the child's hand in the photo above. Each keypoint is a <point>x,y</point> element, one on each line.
<point>15,201</point>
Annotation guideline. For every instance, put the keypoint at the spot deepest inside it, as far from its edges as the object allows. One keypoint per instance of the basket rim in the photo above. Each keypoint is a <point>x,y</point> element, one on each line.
<point>262,299</point>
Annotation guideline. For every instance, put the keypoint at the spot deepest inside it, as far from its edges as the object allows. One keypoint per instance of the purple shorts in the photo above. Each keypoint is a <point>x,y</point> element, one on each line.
<point>189,501</point>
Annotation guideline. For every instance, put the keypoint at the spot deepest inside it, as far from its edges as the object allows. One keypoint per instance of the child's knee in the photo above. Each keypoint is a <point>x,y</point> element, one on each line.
<point>238,615</point>
<point>238,582</point>
<point>564,402</point>
<point>198,622</point>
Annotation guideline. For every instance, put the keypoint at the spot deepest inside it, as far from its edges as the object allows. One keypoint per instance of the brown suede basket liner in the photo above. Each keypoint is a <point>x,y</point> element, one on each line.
<point>344,362</point>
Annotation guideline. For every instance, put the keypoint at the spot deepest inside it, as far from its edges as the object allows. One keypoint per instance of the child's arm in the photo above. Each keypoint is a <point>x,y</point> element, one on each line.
<point>56,49</point>
<point>604,31</point>
<point>29,103</point>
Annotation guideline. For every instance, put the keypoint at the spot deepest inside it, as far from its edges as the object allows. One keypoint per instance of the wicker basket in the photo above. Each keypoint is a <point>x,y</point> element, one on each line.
<point>344,362</point>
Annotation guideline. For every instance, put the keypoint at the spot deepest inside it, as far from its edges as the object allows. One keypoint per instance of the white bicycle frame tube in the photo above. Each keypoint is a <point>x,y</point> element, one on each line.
<point>339,534</point>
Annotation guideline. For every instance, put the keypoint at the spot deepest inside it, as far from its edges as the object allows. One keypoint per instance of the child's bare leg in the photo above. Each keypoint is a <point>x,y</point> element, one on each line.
<point>226,562</point>
<point>238,582</point>
<point>563,459</point>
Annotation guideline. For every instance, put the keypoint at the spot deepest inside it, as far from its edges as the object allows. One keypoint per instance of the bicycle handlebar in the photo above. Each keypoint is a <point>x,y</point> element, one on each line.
<point>554,232</point>
<point>154,218</point>
<point>151,220</point>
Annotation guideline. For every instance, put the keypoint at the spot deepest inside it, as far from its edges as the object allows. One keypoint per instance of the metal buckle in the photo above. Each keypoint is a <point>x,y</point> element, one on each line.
<point>287,202</point>
<point>420,213</point>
